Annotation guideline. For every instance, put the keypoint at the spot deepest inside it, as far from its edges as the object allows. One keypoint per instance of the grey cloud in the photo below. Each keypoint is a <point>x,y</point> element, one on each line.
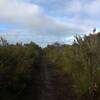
<point>44,28</point>
<point>32,17</point>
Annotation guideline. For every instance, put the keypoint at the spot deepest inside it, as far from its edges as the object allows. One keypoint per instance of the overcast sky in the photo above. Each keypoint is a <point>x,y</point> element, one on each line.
<point>47,21</point>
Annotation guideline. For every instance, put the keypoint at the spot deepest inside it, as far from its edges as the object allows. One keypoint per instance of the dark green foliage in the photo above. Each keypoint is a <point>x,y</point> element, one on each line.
<point>57,72</point>
<point>81,62</point>
<point>17,69</point>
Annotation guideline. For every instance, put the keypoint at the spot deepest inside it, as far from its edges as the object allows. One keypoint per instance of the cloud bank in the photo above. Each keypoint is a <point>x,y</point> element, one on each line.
<point>54,20</point>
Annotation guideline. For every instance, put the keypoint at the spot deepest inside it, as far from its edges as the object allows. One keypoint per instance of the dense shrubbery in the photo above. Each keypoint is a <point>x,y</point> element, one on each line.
<point>17,69</point>
<point>81,62</point>
<point>57,72</point>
